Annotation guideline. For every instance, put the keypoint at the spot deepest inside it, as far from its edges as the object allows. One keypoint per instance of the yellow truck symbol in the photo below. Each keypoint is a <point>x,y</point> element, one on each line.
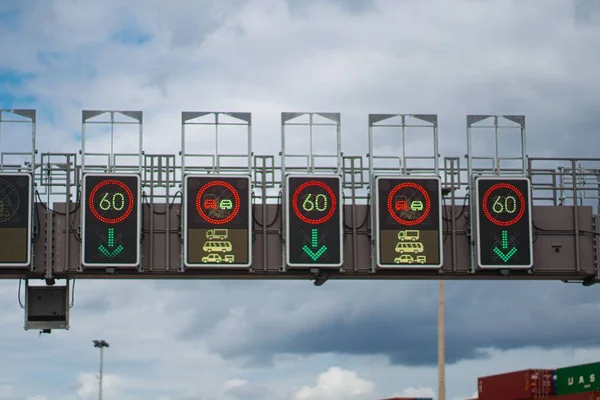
<point>408,235</point>
<point>217,234</point>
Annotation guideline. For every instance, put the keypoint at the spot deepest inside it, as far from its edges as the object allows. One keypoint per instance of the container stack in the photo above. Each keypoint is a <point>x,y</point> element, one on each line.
<point>408,398</point>
<point>577,382</point>
<point>518,385</point>
<point>578,378</point>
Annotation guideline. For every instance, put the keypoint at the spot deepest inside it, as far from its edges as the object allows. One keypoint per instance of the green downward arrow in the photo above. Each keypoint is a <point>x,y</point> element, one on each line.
<point>505,256</point>
<point>111,242</point>
<point>314,255</point>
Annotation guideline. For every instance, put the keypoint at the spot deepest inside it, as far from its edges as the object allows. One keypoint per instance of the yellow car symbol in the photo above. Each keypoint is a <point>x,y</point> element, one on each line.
<point>416,205</point>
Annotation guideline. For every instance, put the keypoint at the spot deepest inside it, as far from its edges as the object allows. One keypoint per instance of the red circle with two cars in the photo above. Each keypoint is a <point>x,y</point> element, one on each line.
<point>236,207</point>
<point>426,198</point>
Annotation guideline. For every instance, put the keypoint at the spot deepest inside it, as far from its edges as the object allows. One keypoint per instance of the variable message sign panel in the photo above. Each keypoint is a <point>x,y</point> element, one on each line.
<point>217,221</point>
<point>504,226</point>
<point>408,222</point>
<point>15,219</point>
<point>111,220</point>
<point>313,221</point>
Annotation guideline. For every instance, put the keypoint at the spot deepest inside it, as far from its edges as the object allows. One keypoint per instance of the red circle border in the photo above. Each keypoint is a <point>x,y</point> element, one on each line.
<point>509,187</point>
<point>390,205</point>
<point>93,207</point>
<point>297,209</point>
<point>210,220</point>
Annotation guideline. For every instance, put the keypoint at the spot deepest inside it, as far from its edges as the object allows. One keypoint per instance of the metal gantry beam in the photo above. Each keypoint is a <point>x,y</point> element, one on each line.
<point>564,234</point>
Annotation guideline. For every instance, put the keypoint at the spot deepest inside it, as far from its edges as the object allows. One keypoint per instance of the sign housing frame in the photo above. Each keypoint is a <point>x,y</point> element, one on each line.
<point>184,216</point>
<point>477,229</point>
<point>377,243</point>
<point>138,215</point>
<point>339,212</point>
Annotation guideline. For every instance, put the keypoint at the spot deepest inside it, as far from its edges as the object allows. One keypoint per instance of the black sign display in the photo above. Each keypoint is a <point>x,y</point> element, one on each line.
<point>504,226</point>
<point>408,222</point>
<point>15,219</point>
<point>217,221</point>
<point>111,222</point>
<point>314,232</point>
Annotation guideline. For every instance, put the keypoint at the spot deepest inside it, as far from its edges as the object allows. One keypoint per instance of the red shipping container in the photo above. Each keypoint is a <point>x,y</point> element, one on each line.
<point>518,385</point>
<point>579,396</point>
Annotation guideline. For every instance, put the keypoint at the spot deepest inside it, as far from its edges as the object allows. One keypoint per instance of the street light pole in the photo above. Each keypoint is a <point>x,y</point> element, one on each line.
<point>101,344</point>
<point>441,343</point>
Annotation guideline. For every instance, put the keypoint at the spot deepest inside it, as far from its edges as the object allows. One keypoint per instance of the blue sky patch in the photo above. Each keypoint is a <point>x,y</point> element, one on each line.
<point>131,34</point>
<point>9,17</point>
<point>10,83</point>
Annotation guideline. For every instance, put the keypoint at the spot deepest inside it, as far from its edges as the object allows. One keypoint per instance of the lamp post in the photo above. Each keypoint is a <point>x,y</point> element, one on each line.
<point>442,313</point>
<point>101,344</point>
<point>441,344</point>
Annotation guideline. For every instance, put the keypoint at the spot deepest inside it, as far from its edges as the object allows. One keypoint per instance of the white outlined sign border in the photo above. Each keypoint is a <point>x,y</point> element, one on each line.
<point>478,216</point>
<point>138,216</point>
<point>377,222</point>
<point>339,211</point>
<point>30,205</point>
<point>185,205</point>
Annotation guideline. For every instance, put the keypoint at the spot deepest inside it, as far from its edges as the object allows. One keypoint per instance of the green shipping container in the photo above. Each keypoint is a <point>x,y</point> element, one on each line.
<point>578,378</point>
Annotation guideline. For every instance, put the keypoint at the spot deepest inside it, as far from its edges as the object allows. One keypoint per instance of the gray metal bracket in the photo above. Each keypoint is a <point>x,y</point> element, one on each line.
<point>89,117</point>
<point>220,120</point>
<point>18,116</point>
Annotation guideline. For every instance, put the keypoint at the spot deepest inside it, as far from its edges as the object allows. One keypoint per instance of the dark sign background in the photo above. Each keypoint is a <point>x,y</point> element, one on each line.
<point>15,209</point>
<point>490,234</point>
<point>218,202</point>
<point>115,201</point>
<point>300,232</point>
<point>389,228</point>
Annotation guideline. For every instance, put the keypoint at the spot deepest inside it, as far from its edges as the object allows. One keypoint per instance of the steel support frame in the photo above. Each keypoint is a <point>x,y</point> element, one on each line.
<point>334,120</point>
<point>496,170</point>
<point>406,121</point>
<point>133,118</point>
<point>27,116</point>
<point>190,118</point>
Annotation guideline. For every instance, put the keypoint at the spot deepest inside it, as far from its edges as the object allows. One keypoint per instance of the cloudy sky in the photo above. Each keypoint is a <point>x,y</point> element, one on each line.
<point>291,340</point>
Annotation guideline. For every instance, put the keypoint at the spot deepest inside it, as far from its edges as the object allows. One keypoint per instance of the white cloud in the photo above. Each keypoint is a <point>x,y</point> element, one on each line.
<point>88,386</point>
<point>336,384</point>
<point>416,392</point>
<point>233,383</point>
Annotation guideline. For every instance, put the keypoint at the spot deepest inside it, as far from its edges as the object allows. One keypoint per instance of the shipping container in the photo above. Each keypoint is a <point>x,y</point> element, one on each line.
<point>578,378</point>
<point>517,385</point>
<point>579,396</point>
